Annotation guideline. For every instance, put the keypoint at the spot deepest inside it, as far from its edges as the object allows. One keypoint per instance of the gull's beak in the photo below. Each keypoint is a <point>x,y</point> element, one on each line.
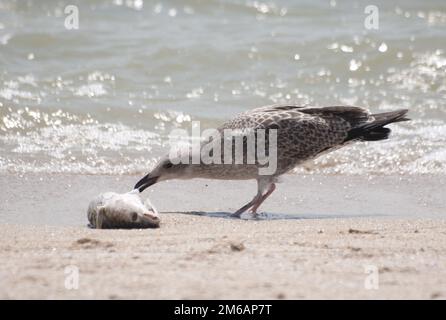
<point>146,182</point>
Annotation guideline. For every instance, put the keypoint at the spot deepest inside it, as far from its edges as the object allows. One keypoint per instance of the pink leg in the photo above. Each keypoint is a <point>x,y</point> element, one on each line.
<point>257,204</point>
<point>239,212</point>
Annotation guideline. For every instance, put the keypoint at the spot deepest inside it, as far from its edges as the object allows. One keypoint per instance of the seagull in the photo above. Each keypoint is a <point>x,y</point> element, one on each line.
<point>302,133</point>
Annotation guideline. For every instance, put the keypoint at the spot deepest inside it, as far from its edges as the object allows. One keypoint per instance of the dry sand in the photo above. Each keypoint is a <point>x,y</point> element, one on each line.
<point>193,257</point>
<point>357,226</point>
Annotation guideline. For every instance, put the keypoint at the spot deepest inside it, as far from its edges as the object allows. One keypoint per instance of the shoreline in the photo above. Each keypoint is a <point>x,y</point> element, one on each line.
<point>62,199</point>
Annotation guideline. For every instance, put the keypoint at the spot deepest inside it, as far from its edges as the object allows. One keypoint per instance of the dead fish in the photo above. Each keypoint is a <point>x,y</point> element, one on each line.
<point>112,210</point>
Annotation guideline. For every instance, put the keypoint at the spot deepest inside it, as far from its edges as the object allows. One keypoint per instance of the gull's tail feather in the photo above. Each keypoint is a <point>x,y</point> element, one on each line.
<point>374,130</point>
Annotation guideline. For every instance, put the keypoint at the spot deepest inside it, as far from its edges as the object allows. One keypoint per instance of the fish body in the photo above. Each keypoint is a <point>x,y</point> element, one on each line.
<point>112,210</point>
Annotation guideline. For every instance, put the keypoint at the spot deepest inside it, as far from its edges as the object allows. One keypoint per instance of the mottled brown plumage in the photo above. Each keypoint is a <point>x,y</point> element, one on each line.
<point>303,133</point>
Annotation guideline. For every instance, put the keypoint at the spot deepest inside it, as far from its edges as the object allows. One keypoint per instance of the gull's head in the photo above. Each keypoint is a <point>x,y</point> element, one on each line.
<point>164,170</point>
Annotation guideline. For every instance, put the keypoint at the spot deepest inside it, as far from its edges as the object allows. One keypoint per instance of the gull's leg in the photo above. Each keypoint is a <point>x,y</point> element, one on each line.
<point>262,185</point>
<point>256,205</point>
<point>239,212</point>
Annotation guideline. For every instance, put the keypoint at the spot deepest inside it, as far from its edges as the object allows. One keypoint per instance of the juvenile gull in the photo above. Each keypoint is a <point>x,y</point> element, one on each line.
<point>303,133</point>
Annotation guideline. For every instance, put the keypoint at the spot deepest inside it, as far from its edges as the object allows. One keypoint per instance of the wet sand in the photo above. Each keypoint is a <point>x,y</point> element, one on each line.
<point>58,199</point>
<point>309,245</point>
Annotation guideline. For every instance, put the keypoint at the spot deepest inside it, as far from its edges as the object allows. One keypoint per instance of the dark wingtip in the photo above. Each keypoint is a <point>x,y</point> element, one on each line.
<point>375,130</point>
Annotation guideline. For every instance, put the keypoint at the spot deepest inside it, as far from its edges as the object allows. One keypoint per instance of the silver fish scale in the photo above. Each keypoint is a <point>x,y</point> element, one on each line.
<point>302,134</point>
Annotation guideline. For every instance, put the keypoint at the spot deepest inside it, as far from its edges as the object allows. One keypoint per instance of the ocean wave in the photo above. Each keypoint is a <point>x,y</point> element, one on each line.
<point>60,142</point>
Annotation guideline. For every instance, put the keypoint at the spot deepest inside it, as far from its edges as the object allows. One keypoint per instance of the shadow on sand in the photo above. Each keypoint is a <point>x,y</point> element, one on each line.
<point>269,215</point>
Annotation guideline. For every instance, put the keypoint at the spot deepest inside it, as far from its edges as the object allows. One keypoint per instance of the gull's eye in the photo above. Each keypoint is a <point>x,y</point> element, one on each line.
<point>134,216</point>
<point>167,165</point>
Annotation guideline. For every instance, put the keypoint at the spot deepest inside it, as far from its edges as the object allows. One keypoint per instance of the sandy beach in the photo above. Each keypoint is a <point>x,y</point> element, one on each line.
<point>310,244</point>
<point>193,257</point>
